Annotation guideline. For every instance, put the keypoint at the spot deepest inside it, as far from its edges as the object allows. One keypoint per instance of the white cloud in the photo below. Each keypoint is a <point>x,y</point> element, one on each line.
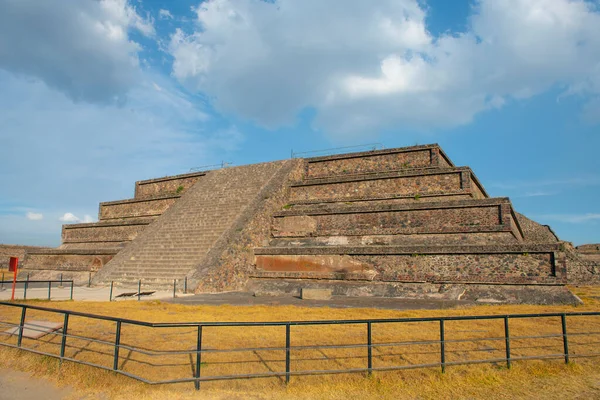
<point>79,154</point>
<point>69,217</point>
<point>165,14</point>
<point>81,48</point>
<point>34,216</point>
<point>374,65</point>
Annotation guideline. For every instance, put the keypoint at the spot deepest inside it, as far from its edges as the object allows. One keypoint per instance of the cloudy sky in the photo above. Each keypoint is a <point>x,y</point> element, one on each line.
<point>96,94</point>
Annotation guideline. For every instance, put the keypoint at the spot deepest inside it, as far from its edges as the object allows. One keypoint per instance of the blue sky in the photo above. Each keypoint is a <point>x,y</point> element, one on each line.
<point>95,95</point>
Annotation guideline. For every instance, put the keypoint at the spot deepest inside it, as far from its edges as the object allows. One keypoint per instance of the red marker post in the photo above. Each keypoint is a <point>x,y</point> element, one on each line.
<point>13,266</point>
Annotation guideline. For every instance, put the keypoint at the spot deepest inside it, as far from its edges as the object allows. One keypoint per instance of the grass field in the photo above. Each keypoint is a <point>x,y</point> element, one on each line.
<point>526,379</point>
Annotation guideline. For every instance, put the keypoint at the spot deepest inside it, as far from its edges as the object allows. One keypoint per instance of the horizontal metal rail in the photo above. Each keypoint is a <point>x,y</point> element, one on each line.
<point>38,281</point>
<point>297,323</point>
<point>365,147</point>
<point>437,346</point>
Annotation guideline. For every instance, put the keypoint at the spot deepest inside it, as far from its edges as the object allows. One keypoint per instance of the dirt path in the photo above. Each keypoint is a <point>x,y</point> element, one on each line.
<point>15,385</point>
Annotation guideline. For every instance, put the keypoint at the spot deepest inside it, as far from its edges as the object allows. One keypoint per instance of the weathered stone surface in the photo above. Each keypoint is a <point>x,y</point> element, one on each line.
<point>512,294</point>
<point>8,250</point>
<point>446,217</point>
<point>385,185</point>
<point>106,232</point>
<point>315,294</point>
<point>377,161</point>
<point>496,268</point>
<point>167,186</point>
<point>399,239</point>
<point>68,260</point>
<point>135,208</point>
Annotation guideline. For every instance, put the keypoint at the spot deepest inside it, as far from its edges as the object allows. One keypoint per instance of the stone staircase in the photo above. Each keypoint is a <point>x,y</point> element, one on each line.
<point>179,243</point>
<point>399,222</point>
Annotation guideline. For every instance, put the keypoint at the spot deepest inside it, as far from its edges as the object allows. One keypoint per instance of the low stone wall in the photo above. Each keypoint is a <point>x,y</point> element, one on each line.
<point>455,217</point>
<point>68,260</point>
<point>384,185</point>
<point>485,268</point>
<point>369,162</point>
<point>376,161</point>
<point>481,293</point>
<point>169,185</point>
<point>418,239</point>
<point>134,208</point>
<point>119,231</point>
<point>8,250</point>
<point>589,252</point>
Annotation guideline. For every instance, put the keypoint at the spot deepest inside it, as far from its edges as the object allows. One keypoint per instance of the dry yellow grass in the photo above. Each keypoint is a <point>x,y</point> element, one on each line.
<point>527,379</point>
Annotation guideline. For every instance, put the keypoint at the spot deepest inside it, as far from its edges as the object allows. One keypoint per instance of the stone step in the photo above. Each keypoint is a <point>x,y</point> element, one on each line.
<point>105,231</point>
<point>69,259</point>
<point>515,264</point>
<point>389,185</point>
<point>471,216</point>
<point>136,208</point>
<point>168,185</point>
<point>410,250</point>
<point>377,161</point>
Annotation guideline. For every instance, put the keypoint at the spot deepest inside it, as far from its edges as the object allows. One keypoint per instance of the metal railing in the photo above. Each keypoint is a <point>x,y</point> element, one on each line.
<point>336,150</point>
<point>438,347</point>
<point>223,164</point>
<point>28,283</point>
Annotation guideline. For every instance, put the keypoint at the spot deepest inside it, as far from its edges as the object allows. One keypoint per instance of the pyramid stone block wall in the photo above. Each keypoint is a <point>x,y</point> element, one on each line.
<point>396,222</point>
<point>401,216</point>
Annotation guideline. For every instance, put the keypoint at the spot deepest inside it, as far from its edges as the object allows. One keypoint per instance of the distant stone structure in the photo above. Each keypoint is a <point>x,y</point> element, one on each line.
<point>14,250</point>
<point>399,222</point>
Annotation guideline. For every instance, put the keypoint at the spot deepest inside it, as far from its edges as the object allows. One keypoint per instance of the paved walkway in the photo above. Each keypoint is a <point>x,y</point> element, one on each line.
<point>80,293</point>
<point>22,386</point>
<point>84,293</point>
<point>248,299</point>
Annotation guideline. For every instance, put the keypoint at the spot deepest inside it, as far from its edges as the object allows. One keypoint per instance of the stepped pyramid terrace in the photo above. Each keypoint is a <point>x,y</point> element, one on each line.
<point>402,222</point>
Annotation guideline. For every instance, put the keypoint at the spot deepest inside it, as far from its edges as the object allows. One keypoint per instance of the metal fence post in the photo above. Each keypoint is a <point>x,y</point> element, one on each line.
<point>563,320</point>
<point>442,346</point>
<point>21,326</point>
<point>198,357</point>
<point>507,341</point>
<point>369,348</point>
<point>117,344</point>
<point>174,286</point>
<point>71,290</point>
<point>25,288</point>
<point>63,342</point>
<point>111,291</point>
<point>287,353</point>
<point>61,280</point>
<point>90,280</point>
<point>139,289</point>
<point>49,288</point>
<point>185,285</point>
